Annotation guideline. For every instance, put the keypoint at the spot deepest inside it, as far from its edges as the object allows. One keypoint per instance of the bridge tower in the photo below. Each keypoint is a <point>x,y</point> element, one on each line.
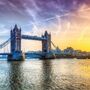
<point>15,39</point>
<point>46,44</point>
<point>16,53</point>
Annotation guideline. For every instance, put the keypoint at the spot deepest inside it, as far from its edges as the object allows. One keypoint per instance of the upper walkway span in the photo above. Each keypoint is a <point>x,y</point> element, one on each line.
<point>33,37</point>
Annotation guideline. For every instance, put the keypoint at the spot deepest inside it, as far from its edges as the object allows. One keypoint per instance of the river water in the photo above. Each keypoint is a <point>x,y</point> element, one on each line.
<point>58,74</point>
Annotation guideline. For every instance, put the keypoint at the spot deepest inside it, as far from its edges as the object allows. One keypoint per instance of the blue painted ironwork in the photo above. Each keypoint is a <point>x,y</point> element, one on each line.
<point>33,37</point>
<point>5,53</point>
<point>15,42</point>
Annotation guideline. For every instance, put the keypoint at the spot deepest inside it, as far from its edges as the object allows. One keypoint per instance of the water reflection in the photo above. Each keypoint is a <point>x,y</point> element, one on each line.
<point>15,76</point>
<point>47,75</point>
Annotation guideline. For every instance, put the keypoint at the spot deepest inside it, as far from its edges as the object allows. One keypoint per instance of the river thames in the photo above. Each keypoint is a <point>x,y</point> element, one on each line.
<point>58,74</point>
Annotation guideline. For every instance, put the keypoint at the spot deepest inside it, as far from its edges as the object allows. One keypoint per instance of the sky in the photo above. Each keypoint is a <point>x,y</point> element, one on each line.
<point>68,21</point>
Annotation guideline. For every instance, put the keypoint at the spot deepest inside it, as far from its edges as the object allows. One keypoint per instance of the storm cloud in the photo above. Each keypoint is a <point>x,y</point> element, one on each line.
<point>41,8</point>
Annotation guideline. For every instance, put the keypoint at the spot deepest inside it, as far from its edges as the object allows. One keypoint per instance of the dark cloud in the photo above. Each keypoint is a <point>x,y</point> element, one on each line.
<point>42,8</point>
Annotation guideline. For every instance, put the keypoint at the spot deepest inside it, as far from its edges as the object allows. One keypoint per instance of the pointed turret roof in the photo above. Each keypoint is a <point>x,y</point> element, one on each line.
<point>15,26</point>
<point>46,33</point>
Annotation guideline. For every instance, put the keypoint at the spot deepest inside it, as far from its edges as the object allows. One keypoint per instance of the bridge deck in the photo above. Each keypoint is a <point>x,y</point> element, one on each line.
<point>4,53</point>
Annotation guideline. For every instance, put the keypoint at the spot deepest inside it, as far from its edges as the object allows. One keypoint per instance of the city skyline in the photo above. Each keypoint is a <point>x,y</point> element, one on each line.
<point>67,21</point>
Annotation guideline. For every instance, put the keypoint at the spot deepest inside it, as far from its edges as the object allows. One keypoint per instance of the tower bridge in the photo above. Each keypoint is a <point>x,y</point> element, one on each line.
<point>15,43</point>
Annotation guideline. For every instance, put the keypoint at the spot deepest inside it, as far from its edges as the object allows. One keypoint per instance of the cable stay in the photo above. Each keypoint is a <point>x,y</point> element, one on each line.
<point>54,45</point>
<point>5,43</point>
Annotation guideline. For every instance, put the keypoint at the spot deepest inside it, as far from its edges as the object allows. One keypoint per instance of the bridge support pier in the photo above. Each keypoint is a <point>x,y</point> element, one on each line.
<point>16,56</point>
<point>16,53</point>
